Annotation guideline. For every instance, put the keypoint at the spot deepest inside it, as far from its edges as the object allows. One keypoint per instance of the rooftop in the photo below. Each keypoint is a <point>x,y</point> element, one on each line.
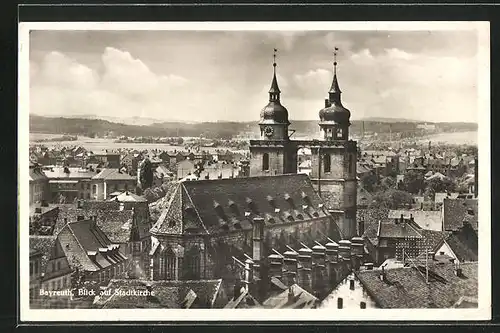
<point>407,288</point>
<point>293,298</point>
<point>165,294</point>
<point>456,210</point>
<point>113,174</point>
<point>213,206</point>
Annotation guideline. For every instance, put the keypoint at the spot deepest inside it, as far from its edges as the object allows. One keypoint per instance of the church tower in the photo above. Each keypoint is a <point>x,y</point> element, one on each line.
<point>334,160</point>
<point>274,153</point>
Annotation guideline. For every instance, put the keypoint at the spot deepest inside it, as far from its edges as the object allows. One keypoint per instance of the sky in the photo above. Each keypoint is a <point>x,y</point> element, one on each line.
<point>225,75</point>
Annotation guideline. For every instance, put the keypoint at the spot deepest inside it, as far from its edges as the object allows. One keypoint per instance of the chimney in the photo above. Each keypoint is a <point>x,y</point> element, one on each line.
<point>411,218</point>
<point>340,303</point>
<point>38,210</point>
<point>65,220</point>
<point>402,218</point>
<point>290,268</point>
<point>383,277</point>
<point>396,220</point>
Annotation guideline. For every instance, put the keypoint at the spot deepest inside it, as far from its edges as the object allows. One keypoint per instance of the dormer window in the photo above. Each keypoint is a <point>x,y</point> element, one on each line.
<point>340,133</point>
<point>271,201</point>
<point>289,200</point>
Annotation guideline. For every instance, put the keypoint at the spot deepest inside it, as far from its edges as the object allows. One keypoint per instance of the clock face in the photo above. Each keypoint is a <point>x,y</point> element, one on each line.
<point>268,131</point>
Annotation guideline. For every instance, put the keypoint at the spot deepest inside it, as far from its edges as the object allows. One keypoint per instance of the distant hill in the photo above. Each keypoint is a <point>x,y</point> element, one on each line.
<point>390,120</point>
<point>216,130</point>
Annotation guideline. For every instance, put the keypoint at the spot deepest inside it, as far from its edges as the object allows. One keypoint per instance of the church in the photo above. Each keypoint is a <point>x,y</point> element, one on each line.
<point>207,224</point>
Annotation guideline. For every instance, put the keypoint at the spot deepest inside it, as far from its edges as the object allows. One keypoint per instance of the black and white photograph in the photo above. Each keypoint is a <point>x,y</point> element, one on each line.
<point>322,170</point>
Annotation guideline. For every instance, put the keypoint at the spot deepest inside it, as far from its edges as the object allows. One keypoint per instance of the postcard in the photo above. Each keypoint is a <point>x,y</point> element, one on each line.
<point>180,171</point>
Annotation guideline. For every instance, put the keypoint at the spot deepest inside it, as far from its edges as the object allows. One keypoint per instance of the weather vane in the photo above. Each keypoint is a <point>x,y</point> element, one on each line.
<point>274,57</point>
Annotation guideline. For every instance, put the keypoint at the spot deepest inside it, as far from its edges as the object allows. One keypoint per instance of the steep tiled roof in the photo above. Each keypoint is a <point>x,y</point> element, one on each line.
<point>243,301</point>
<point>434,238</point>
<point>215,206</point>
<point>298,299</point>
<point>389,229</point>
<point>426,219</point>
<point>116,224</point>
<point>456,210</point>
<point>166,294</point>
<point>78,238</point>
<point>113,174</point>
<point>406,287</point>
<point>464,243</point>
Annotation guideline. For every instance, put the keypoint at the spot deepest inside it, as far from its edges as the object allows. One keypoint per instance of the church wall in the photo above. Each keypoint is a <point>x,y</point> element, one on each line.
<point>276,160</point>
<point>336,165</point>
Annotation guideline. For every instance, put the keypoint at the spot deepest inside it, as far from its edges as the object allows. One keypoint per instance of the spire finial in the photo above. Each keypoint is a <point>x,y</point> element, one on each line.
<point>274,58</point>
<point>335,60</point>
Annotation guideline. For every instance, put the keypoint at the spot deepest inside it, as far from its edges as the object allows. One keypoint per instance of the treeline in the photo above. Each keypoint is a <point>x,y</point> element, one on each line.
<point>214,130</point>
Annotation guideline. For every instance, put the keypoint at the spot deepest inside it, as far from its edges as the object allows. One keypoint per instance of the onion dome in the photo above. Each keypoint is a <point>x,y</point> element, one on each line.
<point>334,111</point>
<point>274,112</point>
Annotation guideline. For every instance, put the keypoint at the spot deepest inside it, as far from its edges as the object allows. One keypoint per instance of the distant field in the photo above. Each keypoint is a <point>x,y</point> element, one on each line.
<point>97,144</point>
<point>458,138</point>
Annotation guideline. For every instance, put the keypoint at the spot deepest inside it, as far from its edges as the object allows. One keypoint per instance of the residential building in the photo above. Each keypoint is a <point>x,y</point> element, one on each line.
<point>109,159</point>
<point>35,273</point>
<point>38,184</point>
<point>108,181</point>
<point>67,184</point>
<point>185,168</point>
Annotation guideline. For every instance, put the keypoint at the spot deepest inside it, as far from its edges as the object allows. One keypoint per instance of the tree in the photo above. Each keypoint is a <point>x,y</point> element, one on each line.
<point>413,182</point>
<point>369,182</point>
<point>391,199</point>
<point>146,174</point>
<point>436,185</point>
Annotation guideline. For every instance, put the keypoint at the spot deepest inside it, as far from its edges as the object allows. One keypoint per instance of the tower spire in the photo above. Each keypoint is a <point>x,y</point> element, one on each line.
<point>274,92</point>
<point>335,89</point>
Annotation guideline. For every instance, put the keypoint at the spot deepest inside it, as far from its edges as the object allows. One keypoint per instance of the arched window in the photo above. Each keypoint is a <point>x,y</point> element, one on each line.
<point>193,264</point>
<point>265,162</point>
<point>327,162</point>
<point>170,267</point>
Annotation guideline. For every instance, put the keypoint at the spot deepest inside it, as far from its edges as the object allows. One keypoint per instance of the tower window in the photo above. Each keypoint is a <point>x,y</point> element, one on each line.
<point>265,162</point>
<point>328,162</point>
<point>340,133</point>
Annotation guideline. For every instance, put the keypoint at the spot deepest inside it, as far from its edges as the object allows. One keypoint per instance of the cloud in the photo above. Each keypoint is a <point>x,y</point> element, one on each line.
<point>125,86</point>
